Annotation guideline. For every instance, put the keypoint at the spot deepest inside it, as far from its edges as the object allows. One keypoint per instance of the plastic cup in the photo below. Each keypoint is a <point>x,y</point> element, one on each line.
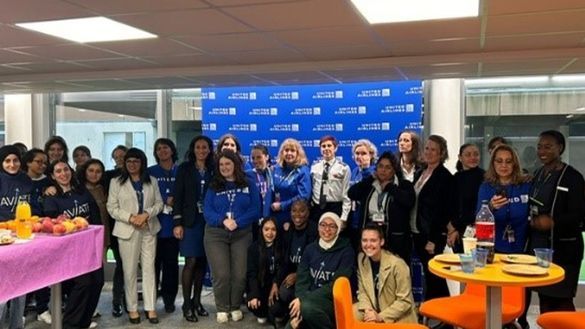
<point>480,256</point>
<point>467,263</point>
<point>543,256</point>
<point>469,244</point>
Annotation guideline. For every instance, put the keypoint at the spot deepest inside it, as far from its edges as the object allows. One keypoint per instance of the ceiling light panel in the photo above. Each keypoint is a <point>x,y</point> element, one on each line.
<point>89,29</point>
<point>395,11</point>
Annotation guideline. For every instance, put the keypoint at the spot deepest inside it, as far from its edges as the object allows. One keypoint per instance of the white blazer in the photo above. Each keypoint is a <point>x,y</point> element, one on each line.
<point>122,203</point>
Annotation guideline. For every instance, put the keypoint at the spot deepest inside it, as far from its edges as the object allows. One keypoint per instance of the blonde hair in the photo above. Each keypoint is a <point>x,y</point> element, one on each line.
<point>369,146</point>
<point>301,155</point>
<point>517,176</point>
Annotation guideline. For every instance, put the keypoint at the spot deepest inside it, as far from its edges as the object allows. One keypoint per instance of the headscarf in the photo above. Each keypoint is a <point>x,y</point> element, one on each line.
<point>331,215</point>
<point>5,151</point>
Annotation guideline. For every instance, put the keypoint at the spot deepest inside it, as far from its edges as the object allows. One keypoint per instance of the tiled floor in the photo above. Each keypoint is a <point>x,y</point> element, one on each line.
<point>175,320</point>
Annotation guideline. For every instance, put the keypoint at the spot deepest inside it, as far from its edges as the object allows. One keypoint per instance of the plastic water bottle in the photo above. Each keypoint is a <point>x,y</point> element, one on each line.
<point>485,228</point>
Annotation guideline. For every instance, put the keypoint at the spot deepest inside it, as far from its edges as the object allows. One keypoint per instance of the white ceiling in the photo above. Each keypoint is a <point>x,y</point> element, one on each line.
<point>273,42</point>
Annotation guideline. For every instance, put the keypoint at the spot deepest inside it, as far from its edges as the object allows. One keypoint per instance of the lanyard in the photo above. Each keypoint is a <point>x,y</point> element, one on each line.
<point>286,179</point>
<point>231,196</point>
<point>381,198</point>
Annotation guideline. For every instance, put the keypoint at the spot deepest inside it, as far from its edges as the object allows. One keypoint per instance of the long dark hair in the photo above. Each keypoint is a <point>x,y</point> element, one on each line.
<point>218,182</point>
<point>170,144</point>
<point>81,173</point>
<point>58,140</point>
<point>75,185</point>
<point>190,155</point>
<point>277,248</point>
<point>137,154</point>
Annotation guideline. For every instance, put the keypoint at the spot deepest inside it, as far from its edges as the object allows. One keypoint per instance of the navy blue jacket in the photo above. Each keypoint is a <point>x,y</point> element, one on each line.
<point>15,188</point>
<point>166,186</point>
<point>72,204</point>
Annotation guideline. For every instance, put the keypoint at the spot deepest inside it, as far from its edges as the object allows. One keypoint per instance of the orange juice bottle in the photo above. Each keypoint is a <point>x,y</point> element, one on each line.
<point>23,210</point>
<point>22,216</point>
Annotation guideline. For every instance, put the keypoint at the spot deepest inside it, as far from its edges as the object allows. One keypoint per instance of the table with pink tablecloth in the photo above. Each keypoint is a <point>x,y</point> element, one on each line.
<point>47,260</point>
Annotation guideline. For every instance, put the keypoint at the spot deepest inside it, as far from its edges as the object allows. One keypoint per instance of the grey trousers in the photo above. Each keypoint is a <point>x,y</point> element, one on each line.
<point>15,313</point>
<point>227,254</point>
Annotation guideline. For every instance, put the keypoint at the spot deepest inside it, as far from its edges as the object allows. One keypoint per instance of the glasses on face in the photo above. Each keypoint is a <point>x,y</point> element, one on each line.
<point>501,162</point>
<point>133,161</point>
<point>326,226</point>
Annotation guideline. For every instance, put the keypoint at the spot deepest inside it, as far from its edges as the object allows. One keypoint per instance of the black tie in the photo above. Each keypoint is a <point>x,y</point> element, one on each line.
<point>324,178</point>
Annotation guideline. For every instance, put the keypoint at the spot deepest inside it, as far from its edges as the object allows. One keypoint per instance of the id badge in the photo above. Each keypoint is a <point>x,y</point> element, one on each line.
<point>200,207</point>
<point>533,210</point>
<point>378,218</point>
<point>167,210</point>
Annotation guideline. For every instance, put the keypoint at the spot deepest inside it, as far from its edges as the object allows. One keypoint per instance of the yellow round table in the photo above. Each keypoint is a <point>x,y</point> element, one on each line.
<point>494,279</point>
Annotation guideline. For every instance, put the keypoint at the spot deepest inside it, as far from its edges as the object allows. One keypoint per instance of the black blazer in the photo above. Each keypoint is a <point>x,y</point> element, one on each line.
<point>436,205</point>
<point>187,193</point>
<point>397,207</point>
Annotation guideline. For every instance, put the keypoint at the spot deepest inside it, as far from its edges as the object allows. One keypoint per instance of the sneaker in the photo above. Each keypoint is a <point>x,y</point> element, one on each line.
<point>92,325</point>
<point>237,315</point>
<point>45,317</point>
<point>261,320</point>
<point>222,317</point>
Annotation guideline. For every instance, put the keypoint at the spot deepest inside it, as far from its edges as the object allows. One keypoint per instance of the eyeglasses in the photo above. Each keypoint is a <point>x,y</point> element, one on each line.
<point>328,226</point>
<point>133,161</point>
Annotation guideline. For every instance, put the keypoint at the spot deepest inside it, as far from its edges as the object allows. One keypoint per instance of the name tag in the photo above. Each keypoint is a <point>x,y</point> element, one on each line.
<point>562,188</point>
<point>378,218</point>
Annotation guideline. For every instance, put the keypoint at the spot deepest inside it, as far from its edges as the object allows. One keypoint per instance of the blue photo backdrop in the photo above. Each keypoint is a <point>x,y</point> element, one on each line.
<point>377,111</point>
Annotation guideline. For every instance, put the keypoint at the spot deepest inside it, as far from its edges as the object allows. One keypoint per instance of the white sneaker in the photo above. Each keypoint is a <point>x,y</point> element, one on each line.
<point>92,325</point>
<point>222,317</point>
<point>261,320</point>
<point>45,317</point>
<point>237,315</point>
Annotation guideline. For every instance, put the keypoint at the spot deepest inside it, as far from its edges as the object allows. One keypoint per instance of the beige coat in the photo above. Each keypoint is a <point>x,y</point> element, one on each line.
<point>122,203</point>
<point>394,291</point>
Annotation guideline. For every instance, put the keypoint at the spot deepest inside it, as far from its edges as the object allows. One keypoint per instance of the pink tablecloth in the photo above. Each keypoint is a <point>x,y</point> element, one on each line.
<point>47,260</point>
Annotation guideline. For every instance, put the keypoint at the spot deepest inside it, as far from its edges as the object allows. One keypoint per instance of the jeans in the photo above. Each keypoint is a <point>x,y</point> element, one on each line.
<point>227,254</point>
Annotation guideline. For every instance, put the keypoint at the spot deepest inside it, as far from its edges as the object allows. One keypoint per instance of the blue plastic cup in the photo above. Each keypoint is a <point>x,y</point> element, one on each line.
<point>467,263</point>
<point>543,256</point>
<point>480,256</point>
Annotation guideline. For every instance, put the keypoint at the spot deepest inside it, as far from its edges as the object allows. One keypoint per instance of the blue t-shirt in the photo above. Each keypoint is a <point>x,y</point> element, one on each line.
<point>166,185</point>
<point>513,215</point>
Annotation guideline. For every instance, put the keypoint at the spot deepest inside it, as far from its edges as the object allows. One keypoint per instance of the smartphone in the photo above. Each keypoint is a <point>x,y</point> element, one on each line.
<point>501,191</point>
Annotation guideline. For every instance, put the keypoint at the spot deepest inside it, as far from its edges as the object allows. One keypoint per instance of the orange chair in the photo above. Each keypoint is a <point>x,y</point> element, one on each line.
<point>468,310</point>
<point>344,312</point>
<point>562,320</point>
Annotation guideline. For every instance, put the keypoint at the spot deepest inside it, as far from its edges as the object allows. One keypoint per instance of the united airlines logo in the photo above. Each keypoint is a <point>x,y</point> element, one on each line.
<point>328,127</point>
<point>285,127</point>
<point>400,108</point>
<point>414,90</point>
<point>413,125</point>
<point>350,110</point>
<point>242,96</point>
<point>222,111</point>
<point>384,92</point>
<point>208,95</point>
<point>209,126</point>
<point>284,95</point>
<point>243,127</point>
<point>273,143</point>
<point>302,111</point>
<point>264,111</point>
<point>374,126</point>
<point>390,143</point>
<point>328,94</point>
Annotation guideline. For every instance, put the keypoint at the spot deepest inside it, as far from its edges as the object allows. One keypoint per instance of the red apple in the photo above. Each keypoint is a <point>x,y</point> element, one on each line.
<point>61,218</point>
<point>59,229</point>
<point>47,226</point>
<point>37,227</point>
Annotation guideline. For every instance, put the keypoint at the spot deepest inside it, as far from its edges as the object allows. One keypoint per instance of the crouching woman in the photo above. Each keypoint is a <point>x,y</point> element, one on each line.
<point>322,263</point>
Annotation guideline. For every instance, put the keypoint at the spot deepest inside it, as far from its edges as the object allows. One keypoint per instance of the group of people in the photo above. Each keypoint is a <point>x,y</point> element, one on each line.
<point>280,232</point>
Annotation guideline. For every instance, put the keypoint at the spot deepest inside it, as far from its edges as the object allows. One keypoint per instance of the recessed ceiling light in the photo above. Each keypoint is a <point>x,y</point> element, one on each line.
<point>394,11</point>
<point>89,29</point>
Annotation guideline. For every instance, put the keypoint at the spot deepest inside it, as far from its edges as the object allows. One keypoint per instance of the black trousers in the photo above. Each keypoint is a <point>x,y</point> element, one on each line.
<point>434,286</point>
<point>42,298</point>
<point>317,211</point>
<point>118,279</point>
<point>166,266</point>
<point>84,295</point>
